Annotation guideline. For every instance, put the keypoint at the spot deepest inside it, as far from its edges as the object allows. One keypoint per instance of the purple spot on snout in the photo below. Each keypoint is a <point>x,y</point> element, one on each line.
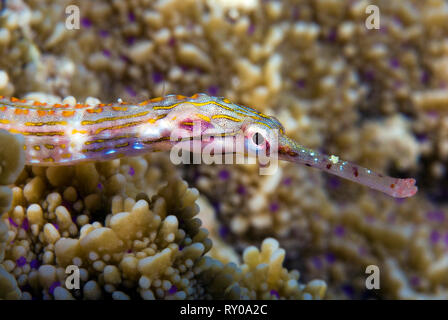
<point>131,171</point>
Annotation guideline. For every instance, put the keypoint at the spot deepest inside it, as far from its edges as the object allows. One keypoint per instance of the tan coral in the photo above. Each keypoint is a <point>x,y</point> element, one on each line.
<point>262,276</point>
<point>8,286</point>
<point>330,81</point>
<point>12,161</point>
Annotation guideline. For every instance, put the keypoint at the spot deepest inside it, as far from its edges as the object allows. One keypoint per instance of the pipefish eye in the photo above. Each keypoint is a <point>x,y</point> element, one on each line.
<point>258,139</point>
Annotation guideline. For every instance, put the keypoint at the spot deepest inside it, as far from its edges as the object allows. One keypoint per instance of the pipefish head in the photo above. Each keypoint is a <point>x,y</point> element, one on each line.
<point>227,126</point>
<point>246,127</point>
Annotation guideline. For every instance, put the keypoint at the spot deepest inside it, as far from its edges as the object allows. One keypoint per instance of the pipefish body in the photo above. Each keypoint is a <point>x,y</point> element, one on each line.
<point>62,134</point>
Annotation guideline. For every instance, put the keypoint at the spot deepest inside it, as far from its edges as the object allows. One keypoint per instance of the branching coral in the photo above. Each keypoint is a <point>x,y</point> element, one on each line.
<point>260,277</point>
<point>150,248</point>
<point>12,161</point>
<point>376,97</point>
<point>12,158</point>
<point>49,225</point>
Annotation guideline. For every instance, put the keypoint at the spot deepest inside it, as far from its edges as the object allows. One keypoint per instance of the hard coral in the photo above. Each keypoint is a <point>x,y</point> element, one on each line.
<point>372,96</point>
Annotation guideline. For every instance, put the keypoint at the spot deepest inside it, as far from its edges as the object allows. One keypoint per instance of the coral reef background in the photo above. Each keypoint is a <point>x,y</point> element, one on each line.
<point>133,226</point>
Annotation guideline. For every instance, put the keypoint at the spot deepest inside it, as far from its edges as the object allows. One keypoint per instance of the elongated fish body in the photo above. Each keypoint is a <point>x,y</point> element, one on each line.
<point>68,134</point>
<point>63,134</point>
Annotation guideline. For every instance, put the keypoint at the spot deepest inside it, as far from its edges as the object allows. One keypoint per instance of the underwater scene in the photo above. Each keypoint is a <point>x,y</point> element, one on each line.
<point>223,149</point>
